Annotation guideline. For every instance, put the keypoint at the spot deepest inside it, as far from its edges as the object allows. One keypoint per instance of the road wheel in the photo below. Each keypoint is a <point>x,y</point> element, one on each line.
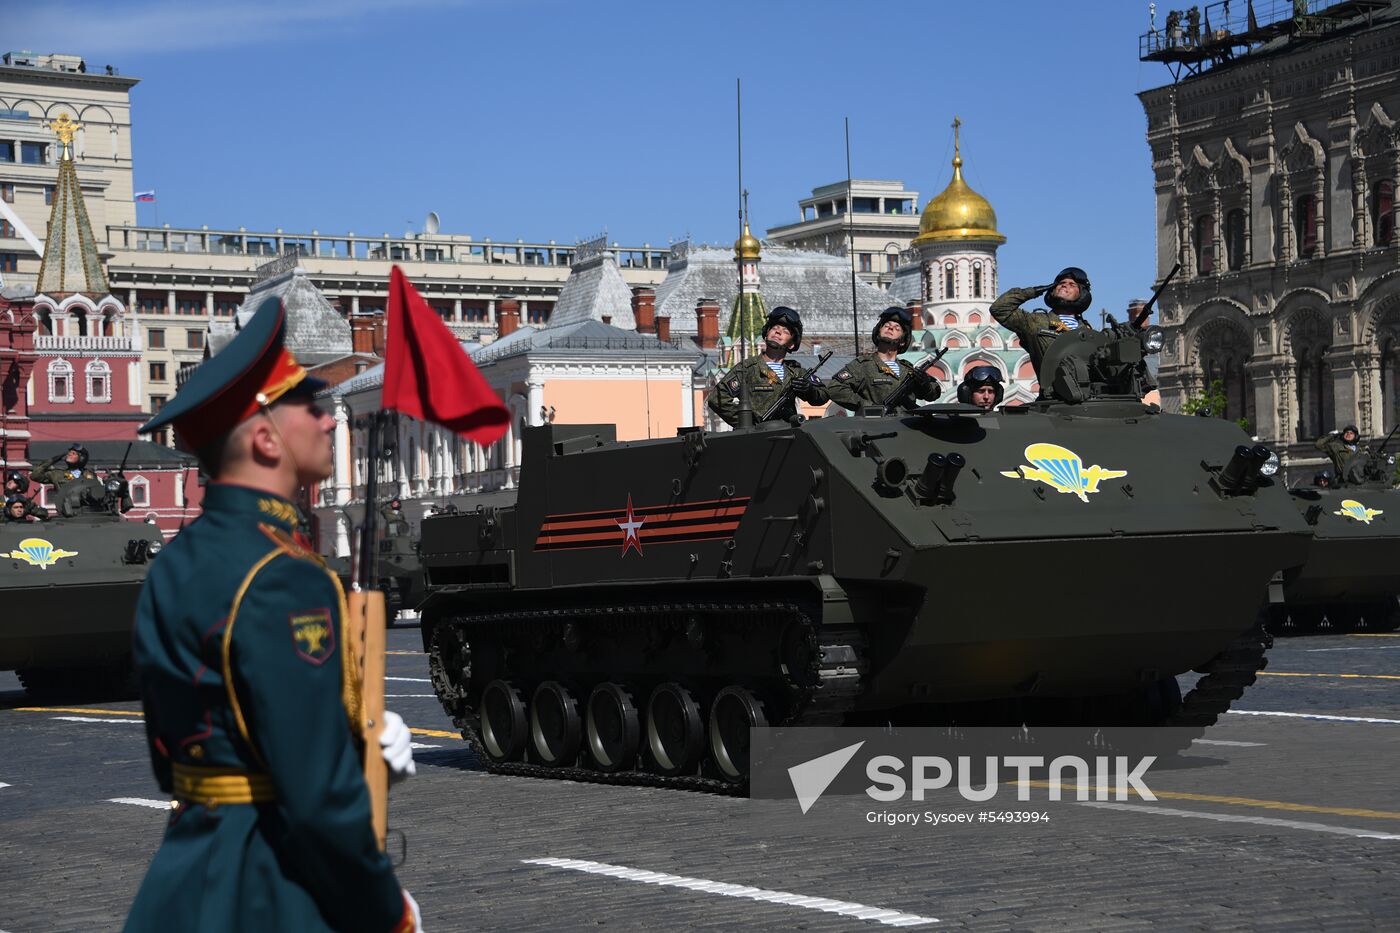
<point>734,712</point>
<point>675,733</point>
<point>555,729</point>
<point>503,722</point>
<point>612,728</point>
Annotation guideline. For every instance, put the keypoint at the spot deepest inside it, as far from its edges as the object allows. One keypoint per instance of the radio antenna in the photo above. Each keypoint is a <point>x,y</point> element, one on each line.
<point>851,240</point>
<point>739,124</point>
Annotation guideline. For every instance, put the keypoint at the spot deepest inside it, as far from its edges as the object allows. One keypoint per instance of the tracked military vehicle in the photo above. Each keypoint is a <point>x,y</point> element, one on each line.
<point>69,593</point>
<point>1352,575</point>
<point>398,572</point>
<point>644,603</point>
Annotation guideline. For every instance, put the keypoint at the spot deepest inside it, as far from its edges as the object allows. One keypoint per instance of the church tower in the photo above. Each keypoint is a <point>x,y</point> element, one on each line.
<point>746,317</point>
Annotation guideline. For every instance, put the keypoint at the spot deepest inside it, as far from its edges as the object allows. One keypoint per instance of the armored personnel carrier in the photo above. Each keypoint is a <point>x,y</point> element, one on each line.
<point>398,572</point>
<point>69,593</point>
<point>1352,575</point>
<point>644,603</point>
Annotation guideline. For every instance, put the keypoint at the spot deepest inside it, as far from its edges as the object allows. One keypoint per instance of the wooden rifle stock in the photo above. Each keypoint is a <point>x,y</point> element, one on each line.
<point>367,621</point>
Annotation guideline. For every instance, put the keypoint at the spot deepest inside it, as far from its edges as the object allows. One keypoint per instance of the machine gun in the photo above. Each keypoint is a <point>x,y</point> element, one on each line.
<point>1378,463</point>
<point>906,385</point>
<point>116,486</point>
<point>787,394</point>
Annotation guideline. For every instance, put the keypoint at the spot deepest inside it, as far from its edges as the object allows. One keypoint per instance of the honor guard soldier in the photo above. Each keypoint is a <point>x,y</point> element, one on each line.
<point>769,374</point>
<point>16,485</point>
<point>251,693</point>
<point>66,467</point>
<point>982,386</point>
<point>1068,297</point>
<point>871,377</point>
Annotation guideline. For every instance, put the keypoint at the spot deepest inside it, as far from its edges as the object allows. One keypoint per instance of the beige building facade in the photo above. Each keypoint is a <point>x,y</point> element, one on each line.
<point>883,223</point>
<point>1276,180</point>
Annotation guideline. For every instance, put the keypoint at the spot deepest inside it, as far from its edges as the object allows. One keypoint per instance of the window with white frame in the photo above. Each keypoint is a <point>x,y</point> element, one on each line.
<point>99,381</point>
<point>60,381</point>
<point>140,491</point>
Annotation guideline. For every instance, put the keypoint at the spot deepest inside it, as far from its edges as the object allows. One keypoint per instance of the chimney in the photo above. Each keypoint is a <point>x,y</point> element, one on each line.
<point>644,309</point>
<point>663,328</point>
<point>707,323</point>
<point>362,334</point>
<point>607,319</point>
<point>507,316</point>
<point>915,307</point>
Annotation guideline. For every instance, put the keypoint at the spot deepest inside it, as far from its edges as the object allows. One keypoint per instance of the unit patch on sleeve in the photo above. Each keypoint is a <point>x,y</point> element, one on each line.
<point>734,384</point>
<point>313,635</point>
<point>843,376</point>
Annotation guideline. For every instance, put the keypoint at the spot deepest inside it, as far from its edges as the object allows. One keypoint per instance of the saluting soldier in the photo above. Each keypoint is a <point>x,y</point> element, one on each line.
<point>769,374</point>
<point>1348,455</point>
<point>391,513</point>
<point>871,377</point>
<point>66,467</point>
<point>251,693</point>
<point>1068,298</point>
<point>16,485</point>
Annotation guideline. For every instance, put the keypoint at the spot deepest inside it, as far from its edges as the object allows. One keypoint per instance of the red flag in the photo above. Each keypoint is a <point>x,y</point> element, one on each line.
<point>429,377</point>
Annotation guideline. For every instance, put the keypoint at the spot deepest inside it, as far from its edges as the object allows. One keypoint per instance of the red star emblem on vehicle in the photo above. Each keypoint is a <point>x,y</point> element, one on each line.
<point>630,527</point>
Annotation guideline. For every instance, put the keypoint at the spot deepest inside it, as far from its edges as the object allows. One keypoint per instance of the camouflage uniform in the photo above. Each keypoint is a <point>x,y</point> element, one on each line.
<point>868,380</point>
<point>1036,329</point>
<point>392,521</point>
<point>32,509</point>
<point>764,389</point>
<point>56,472</point>
<point>1348,461</point>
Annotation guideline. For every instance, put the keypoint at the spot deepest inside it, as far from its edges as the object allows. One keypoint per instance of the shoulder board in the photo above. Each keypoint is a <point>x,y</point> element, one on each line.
<point>290,545</point>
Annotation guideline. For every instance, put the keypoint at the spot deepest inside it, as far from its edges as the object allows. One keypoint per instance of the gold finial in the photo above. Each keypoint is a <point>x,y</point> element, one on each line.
<point>957,144</point>
<point>65,129</point>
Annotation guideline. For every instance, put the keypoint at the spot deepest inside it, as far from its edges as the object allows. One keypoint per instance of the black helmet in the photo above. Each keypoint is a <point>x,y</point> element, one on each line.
<point>394,503</point>
<point>1080,304</point>
<point>20,480</point>
<point>976,378</point>
<point>895,313</point>
<point>1353,429</point>
<point>789,319</point>
<point>1322,478</point>
<point>82,455</point>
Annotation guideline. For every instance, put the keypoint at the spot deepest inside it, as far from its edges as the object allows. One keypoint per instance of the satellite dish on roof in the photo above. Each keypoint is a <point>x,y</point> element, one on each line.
<point>432,223</point>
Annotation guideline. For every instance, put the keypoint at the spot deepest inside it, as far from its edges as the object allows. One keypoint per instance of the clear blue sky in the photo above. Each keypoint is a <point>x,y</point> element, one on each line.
<point>545,119</point>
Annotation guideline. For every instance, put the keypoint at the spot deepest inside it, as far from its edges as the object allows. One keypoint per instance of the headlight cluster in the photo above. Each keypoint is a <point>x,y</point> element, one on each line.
<point>1152,340</point>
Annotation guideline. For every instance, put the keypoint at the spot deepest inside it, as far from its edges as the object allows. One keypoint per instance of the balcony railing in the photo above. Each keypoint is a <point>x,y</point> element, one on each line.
<point>82,342</point>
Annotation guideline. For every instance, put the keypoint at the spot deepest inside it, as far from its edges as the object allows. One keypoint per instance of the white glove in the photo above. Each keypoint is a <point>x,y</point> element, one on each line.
<point>397,743</point>
<point>412,904</point>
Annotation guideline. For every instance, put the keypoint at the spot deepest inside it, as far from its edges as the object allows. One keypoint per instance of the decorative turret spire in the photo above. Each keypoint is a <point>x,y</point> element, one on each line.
<point>748,312</point>
<point>71,262</point>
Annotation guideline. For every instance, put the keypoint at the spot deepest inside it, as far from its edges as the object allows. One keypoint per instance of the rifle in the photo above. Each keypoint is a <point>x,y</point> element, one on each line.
<point>906,385</point>
<point>786,395</point>
<point>1147,308</point>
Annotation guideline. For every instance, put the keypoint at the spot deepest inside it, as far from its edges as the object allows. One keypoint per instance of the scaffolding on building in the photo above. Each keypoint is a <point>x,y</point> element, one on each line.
<point>1192,40</point>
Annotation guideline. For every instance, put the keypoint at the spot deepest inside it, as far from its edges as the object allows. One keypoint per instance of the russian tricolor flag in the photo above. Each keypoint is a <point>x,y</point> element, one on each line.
<point>145,196</point>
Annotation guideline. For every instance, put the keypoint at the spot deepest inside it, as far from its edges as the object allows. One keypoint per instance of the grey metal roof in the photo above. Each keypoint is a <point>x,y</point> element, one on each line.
<point>594,289</point>
<point>817,285</point>
<point>908,284</point>
<point>316,331</point>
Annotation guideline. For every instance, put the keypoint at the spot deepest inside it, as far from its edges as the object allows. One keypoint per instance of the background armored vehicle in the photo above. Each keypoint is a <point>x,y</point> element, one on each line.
<point>644,603</point>
<point>69,593</point>
<point>1352,574</point>
<point>399,573</point>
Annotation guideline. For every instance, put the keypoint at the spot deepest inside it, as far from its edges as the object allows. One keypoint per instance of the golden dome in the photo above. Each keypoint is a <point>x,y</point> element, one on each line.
<point>747,246</point>
<point>959,213</point>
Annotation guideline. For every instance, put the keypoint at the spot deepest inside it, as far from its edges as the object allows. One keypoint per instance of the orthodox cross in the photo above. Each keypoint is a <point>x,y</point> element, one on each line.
<point>957,150</point>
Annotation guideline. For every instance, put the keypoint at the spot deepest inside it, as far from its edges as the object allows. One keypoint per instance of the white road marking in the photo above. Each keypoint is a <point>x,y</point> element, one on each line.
<point>1237,818</point>
<point>892,918</point>
<point>121,719</point>
<point>410,745</point>
<point>142,802</point>
<point>1322,716</point>
<point>1224,742</point>
<point>428,680</point>
<point>408,696</point>
<point>3,784</point>
<point>1363,648</point>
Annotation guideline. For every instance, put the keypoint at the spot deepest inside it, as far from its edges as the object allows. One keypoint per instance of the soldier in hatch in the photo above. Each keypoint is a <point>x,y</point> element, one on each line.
<point>1347,453</point>
<point>769,374</point>
<point>1068,297</point>
<point>870,378</point>
<point>16,485</point>
<point>66,467</point>
<point>982,386</point>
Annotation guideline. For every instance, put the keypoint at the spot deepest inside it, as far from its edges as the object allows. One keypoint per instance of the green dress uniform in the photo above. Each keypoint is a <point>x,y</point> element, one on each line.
<point>869,380</point>
<point>764,389</point>
<point>1348,460</point>
<point>56,472</point>
<point>1036,329</point>
<point>252,696</point>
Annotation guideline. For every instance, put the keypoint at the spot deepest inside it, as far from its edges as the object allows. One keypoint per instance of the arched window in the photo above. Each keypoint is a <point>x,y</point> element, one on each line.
<point>1305,226</point>
<point>139,489</point>
<point>1204,242</point>
<point>987,341</point>
<point>974,318</point>
<point>1234,239</point>
<point>60,381</point>
<point>99,381</point>
<point>954,342</point>
<point>976,280</point>
<point>950,281</point>
<point>950,319</point>
<point>1383,213</point>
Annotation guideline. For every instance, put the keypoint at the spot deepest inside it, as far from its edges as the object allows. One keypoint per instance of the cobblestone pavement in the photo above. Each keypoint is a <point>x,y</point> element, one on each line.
<point>1277,822</point>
